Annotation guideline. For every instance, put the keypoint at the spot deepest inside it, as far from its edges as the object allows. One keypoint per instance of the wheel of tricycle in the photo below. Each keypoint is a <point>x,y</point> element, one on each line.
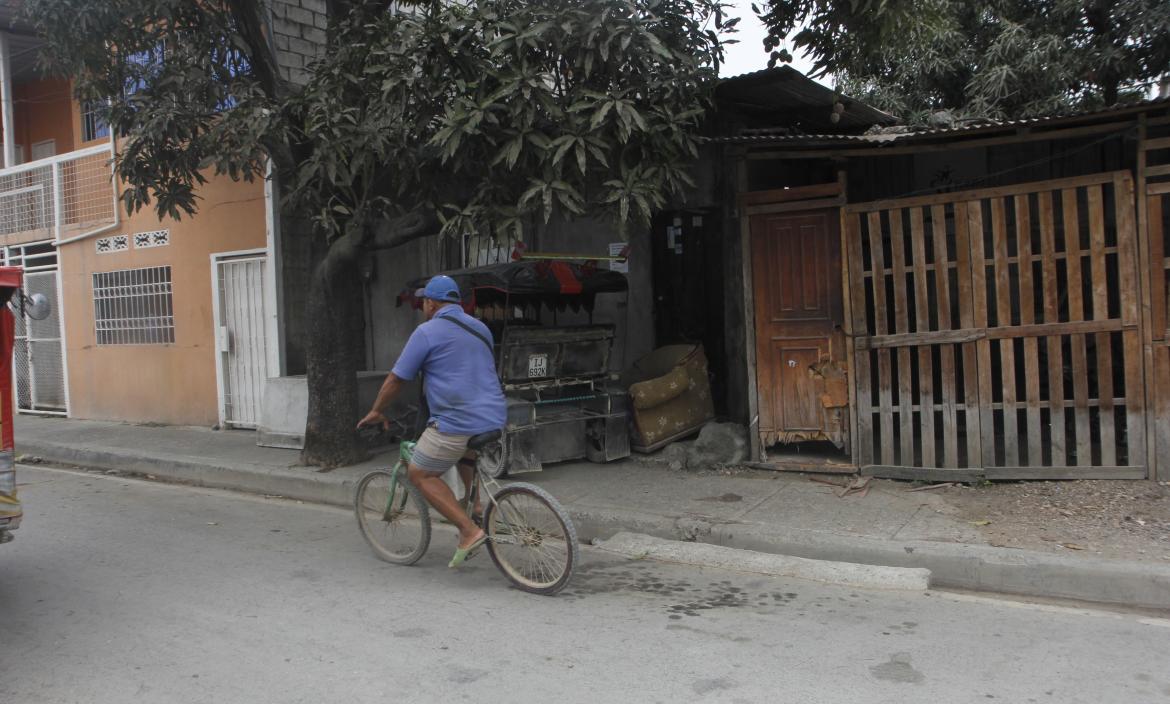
<point>493,458</point>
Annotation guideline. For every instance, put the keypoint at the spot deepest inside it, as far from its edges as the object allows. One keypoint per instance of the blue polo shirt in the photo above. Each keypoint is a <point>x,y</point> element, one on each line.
<point>462,388</point>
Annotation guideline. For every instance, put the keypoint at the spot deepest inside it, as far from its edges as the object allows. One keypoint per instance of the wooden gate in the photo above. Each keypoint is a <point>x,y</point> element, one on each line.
<point>996,332</point>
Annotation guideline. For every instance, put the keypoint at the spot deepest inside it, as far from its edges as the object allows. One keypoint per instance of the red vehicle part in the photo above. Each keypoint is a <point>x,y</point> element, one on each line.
<point>10,509</point>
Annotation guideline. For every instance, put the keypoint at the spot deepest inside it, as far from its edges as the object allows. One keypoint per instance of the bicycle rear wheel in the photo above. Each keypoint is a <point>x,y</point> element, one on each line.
<point>531,538</point>
<point>393,517</point>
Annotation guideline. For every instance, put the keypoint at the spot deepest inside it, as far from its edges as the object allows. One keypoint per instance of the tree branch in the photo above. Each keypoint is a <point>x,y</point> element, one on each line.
<point>388,234</point>
<point>251,25</point>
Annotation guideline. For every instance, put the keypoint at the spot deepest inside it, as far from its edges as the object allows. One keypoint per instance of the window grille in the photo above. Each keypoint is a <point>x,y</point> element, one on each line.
<point>134,307</point>
<point>93,121</point>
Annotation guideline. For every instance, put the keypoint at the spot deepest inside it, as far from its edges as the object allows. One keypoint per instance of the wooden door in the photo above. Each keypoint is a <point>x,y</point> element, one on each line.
<point>796,267</point>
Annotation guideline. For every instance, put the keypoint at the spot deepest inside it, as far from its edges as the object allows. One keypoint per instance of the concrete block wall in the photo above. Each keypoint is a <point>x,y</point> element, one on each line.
<point>298,31</point>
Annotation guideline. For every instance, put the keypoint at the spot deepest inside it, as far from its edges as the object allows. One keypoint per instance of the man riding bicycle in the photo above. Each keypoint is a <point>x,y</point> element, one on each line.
<point>453,350</point>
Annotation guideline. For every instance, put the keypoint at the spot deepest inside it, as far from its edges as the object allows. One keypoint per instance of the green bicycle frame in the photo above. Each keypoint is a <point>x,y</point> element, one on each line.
<point>488,485</point>
<point>405,452</point>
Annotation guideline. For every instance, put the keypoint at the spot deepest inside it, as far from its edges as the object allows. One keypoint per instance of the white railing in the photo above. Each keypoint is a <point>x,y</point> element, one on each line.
<point>65,197</point>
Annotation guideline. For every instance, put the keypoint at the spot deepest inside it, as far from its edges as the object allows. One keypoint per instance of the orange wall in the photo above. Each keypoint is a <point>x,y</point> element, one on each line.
<point>174,383</point>
<point>45,109</point>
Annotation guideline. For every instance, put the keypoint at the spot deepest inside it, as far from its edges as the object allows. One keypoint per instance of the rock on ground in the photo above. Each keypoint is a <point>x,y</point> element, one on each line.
<point>718,444</point>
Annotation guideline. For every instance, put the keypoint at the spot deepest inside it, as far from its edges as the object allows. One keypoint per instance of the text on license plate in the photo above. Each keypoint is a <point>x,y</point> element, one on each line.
<point>537,365</point>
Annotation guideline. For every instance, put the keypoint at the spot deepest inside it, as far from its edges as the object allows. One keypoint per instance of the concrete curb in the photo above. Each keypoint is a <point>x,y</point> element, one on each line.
<point>975,567</point>
<point>287,482</point>
<point>706,555</point>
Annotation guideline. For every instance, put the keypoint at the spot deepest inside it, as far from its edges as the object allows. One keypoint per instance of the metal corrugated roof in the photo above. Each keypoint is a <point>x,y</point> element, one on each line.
<point>784,91</point>
<point>781,135</point>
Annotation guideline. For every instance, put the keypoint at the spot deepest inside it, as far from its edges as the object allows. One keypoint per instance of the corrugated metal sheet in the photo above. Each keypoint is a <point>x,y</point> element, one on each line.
<point>785,91</point>
<point>787,136</point>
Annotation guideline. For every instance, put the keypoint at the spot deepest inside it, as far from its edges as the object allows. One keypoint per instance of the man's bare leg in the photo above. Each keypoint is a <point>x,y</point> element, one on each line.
<point>439,495</point>
<point>466,469</point>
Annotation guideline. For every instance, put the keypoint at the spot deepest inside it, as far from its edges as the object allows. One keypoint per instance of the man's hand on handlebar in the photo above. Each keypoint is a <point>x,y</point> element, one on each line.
<point>374,418</point>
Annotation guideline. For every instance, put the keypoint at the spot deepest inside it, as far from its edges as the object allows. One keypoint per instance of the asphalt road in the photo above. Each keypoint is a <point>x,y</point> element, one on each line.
<point>119,590</point>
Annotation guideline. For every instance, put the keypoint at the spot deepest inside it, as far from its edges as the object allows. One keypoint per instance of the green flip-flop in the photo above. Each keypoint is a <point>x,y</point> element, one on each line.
<point>462,554</point>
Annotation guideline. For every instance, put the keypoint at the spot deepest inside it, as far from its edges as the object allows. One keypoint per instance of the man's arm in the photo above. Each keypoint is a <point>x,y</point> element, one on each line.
<point>390,389</point>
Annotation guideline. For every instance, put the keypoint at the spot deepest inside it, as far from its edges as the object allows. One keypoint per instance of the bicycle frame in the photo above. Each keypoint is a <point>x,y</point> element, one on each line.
<point>483,482</point>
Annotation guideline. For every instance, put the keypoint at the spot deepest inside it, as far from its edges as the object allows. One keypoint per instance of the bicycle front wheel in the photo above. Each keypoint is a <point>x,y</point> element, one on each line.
<point>531,538</point>
<point>393,517</point>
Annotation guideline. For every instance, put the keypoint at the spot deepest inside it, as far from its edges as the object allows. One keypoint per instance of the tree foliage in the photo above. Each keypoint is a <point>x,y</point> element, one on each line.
<point>478,116</point>
<point>485,113</point>
<point>998,59</point>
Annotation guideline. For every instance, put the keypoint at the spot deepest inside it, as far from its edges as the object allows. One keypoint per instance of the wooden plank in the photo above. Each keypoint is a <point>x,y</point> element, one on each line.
<point>942,284</point>
<point>965,273</point>
<point>921,474</point>
<point>984,193</point>
<point>1076,312</point>
<point>1010,473</point>
<point>902,325</point>
<point>1056,439</point>
<point>1159,415</point>
<point>1042,329</point>
<point>1136,355</point>
<point>1154,189</point>
<point>1103,346</point>
<point>922,318</point>
<point>1034,438</point>
<point>1155,171</point>
<point>1157,268</point>
<point>1150,145</point>
<point>752,390</point>
<point>784,195</point>
<point>1016,260</point>
<point>1127,263</point>
<point>1135,416</point>
<point>796,206</point>
<point>1145,285</point>
<point>940,337</point>
<point>1007,348</point>
<point>853,286</point>
<point>982,364</point>
<point>885,390</point>
<point>914,339</point>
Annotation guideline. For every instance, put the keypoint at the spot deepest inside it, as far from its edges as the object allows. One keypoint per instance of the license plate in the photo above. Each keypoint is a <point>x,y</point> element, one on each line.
<point>537,365</point>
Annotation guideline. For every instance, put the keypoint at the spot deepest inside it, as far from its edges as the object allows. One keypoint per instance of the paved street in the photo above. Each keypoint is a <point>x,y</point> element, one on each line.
<point>118,590</point>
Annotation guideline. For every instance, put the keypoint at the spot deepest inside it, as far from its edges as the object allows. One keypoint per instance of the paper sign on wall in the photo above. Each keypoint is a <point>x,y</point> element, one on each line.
<point>615,250</point>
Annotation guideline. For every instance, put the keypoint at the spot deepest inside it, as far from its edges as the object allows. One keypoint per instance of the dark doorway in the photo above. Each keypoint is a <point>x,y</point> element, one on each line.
<point>687,265</point>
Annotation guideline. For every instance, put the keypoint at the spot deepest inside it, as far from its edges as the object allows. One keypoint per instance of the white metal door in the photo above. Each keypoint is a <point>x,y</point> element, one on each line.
<point>39,358</point>
<point>241,340</point>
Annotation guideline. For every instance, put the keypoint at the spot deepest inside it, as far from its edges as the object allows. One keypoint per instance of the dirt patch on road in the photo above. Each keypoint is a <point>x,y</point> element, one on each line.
<point>1121,519</point>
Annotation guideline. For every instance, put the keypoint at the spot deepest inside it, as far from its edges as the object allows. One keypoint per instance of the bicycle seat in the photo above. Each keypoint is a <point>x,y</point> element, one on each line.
<point>477,442</point>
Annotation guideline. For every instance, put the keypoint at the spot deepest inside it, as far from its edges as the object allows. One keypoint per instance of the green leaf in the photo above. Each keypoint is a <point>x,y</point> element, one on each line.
<point>599,115</point>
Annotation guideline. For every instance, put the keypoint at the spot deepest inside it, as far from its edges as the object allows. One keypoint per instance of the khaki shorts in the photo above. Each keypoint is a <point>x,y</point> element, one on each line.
<point>437,452</point>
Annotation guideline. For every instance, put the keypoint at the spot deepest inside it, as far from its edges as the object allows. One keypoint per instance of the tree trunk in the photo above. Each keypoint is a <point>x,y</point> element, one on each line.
<point>332,345</point>
<point>334,323</point>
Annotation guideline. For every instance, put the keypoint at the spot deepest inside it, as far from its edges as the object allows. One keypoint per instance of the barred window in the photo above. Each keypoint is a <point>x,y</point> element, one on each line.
<point>134,307</point>
<point>93,120</point>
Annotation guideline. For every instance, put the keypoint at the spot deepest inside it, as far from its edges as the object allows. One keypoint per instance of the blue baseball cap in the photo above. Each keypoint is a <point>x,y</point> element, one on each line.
<point>440,288</point>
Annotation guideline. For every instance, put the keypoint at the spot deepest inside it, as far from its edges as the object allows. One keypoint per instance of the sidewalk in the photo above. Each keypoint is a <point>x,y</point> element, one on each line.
<point>773,512</point>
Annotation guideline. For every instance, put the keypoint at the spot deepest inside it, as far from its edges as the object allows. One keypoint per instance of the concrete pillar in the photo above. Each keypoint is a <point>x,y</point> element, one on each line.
<point>6,103</point>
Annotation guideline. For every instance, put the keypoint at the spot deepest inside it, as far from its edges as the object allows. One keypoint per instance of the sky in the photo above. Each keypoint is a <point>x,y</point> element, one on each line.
<point>749,55</point>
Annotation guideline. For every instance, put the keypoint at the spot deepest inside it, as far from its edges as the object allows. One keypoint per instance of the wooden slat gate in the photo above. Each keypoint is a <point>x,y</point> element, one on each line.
<point>996,332</point>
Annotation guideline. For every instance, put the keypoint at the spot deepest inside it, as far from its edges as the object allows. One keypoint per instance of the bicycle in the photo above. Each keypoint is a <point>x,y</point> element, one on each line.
<point>531,539</point>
